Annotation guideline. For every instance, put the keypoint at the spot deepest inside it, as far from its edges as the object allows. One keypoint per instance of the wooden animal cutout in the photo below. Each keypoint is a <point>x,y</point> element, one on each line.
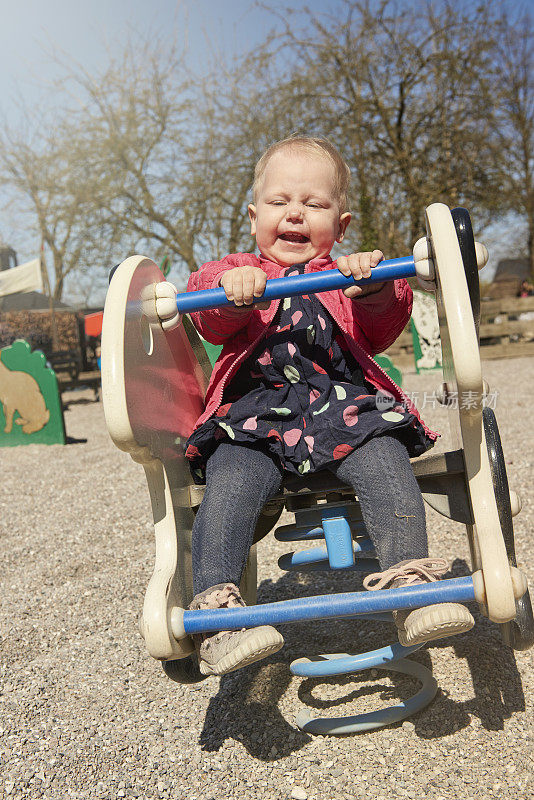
<point>29,398</point>
<point>20,392</point>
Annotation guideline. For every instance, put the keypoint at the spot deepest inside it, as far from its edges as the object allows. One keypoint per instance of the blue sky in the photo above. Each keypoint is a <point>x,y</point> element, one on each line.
<point>81,29</point>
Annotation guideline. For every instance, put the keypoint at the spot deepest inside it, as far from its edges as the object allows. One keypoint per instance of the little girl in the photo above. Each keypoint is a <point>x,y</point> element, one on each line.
<point>295,390</point>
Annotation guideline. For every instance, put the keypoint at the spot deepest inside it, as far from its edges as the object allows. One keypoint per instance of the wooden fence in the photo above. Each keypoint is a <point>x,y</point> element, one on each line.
<point>506,330</point>
<point>507,327</point>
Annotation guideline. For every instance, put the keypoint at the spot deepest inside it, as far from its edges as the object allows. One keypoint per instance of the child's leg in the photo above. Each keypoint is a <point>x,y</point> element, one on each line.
<point>239,480</point>
<point>392,506</point>
<point>394,515</point>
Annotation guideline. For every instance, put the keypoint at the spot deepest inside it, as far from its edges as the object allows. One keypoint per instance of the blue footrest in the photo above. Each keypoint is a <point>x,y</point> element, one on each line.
<point>348,604</point>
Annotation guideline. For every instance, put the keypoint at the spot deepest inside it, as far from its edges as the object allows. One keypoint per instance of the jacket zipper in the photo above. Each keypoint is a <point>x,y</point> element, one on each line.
<point>376,366</point>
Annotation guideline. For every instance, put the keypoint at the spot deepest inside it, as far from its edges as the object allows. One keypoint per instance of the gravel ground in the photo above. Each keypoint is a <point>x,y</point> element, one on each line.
<point>86,713</point>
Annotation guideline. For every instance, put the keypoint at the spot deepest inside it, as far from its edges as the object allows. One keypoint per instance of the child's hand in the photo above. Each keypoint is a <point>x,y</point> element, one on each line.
<point>242,285</point>
<point>359,265</point>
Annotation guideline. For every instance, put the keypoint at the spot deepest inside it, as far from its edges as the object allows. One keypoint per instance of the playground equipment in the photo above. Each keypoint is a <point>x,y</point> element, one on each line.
<point>153,383</point>
<point>30,405</point>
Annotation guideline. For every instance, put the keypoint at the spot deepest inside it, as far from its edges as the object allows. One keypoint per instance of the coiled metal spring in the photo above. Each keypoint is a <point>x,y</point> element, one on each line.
<point>347,546</point>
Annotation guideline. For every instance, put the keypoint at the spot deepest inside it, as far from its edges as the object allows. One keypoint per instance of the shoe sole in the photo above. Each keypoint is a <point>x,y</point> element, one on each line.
<point>264,644</point>
<point>435,622</point>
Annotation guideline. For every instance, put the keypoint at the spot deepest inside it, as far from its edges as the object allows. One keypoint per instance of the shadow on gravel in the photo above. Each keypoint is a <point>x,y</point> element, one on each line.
<point>80,401</point>
<point>73,440</point>
<point>249,705</point>
<point>497,687</point>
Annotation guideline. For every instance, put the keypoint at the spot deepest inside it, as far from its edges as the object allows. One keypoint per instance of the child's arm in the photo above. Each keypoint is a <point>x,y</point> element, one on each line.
<point>242,278</point>
<point>382,309</point>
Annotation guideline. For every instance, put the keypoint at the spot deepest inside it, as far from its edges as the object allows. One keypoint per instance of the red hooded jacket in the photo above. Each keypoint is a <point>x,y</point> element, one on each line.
<point>370,325</point>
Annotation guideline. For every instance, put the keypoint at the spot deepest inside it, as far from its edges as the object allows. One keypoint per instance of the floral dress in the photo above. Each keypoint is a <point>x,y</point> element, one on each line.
<point>302,396</point>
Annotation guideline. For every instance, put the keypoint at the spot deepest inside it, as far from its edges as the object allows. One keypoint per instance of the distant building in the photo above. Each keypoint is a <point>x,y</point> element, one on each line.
<point>510,273</point>
<point>31,301</point>
<point>8,257</point>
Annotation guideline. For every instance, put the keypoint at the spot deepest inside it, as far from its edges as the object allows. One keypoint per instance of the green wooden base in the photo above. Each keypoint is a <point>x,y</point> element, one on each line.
<point>213,351</point>
<point>30,405</point>
<point>387,365</point>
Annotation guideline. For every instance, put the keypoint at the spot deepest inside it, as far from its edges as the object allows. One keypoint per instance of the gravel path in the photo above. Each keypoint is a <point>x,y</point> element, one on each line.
<point>86,713</point>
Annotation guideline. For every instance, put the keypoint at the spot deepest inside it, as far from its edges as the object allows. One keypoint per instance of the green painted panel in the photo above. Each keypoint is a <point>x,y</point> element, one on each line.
<point>387,365</point>
<point>30,403</point>
<point>212,350</point>
<point>425,333</point>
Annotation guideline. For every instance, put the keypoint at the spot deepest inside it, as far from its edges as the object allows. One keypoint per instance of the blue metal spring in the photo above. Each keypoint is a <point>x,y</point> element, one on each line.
<point>336,527</point>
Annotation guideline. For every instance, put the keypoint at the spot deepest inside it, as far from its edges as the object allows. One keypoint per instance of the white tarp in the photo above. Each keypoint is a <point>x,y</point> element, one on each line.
<point>24,278</point>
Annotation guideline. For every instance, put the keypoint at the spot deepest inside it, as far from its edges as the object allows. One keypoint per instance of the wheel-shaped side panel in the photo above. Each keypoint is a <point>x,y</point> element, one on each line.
<point>153,387</point>
<point>466,240</point>
<point>152,391</point>
<point>519,632</point>
<point>463,380</point>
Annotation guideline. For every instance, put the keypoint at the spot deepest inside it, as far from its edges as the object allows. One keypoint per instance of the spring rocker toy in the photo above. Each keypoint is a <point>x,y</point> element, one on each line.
<point>153,384</point>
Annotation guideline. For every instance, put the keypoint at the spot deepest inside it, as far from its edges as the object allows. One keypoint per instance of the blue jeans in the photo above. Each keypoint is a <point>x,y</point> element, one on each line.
<point>240,479</point>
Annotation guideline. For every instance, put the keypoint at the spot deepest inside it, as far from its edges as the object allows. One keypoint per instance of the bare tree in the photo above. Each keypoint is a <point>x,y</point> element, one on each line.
<point>47,171</point>
<point>174,155</point>
<point>146,156</point>
<point>405,93</point>
<point>514,133</point>
<point>135,119</point>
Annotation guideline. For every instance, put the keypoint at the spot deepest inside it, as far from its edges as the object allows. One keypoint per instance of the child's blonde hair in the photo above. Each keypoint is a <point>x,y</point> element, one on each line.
<point>317,146</point>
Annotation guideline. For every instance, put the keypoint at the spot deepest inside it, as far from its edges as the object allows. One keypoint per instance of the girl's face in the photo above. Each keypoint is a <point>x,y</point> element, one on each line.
<point>297,213</point>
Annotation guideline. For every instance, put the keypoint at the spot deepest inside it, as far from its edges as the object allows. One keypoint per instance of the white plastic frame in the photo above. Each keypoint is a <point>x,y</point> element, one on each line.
<point>462,372</point>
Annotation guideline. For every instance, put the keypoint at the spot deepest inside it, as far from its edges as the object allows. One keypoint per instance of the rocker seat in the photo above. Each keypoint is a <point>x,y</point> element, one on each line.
<point>324,482</point>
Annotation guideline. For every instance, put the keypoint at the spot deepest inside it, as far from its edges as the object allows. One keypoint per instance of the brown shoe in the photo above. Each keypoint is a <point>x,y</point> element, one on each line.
<point>429,622</point>
<point>226,651</point>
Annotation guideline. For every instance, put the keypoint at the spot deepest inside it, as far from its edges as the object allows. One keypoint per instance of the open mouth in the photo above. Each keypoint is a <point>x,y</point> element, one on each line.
<point>295,238</point>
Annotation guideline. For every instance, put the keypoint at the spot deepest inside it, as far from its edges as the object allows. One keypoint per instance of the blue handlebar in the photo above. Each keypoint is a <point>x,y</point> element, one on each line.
<point>299,284</point>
